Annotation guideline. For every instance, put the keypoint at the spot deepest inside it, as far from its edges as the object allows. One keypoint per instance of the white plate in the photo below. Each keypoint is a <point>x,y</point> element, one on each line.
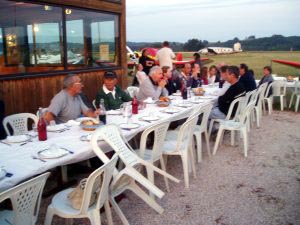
<point>2,173</point>
<point>56,128</point>
<point>52,153</point>
<point>88,137</point>
<point>129,125</point>
<point>205,97</point>
<point>80,119</point>
<point>196,101</point>
<point>114,112</point>
<point>150,118</point>
<point>184,105</point>
<point>176,94</point>
<point>17,138</point>
<point>171,110</point>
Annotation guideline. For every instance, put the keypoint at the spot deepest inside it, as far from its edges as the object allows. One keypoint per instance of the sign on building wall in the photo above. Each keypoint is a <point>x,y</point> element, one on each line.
<point>104,52</point>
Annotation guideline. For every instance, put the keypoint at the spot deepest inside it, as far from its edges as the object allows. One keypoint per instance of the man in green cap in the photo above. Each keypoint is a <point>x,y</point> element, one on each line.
<point>112,94</point>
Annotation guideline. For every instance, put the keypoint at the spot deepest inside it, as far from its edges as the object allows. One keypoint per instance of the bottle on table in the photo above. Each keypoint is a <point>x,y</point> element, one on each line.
<point>184,90</point>
<point>102,116</point>
<point>135,105</point>
<point>42,127</point>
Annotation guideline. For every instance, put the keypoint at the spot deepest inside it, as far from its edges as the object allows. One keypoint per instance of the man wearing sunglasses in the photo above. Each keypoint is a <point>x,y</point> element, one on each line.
<point>67,104</point>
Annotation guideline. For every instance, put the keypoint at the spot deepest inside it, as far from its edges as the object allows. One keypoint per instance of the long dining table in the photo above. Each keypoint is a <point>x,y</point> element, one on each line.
<point>21,161</point>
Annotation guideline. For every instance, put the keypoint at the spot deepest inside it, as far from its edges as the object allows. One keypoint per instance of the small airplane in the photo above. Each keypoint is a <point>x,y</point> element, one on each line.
<point>221,50</point>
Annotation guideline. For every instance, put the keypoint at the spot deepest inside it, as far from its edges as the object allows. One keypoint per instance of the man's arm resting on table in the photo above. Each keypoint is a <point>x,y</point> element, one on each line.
<point>49,116</point>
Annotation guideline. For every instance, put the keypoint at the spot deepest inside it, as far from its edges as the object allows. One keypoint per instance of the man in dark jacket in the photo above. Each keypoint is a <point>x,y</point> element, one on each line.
<point>234,91</point>
<point>112,94</point>
<point>247,78</point>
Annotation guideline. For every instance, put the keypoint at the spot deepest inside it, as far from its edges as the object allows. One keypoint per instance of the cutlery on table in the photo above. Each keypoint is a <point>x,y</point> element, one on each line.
<point>26,142</point>
<point>140,119</point>
<point>71,152</point>
<point>34,157</point>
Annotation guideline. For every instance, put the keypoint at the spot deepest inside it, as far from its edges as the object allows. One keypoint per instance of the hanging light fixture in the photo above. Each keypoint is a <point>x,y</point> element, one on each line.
<point>36,28</point>
<point>68,11</point>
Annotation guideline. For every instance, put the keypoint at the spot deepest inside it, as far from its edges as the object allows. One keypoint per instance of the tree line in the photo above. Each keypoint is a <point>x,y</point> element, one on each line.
<point>251,43</point>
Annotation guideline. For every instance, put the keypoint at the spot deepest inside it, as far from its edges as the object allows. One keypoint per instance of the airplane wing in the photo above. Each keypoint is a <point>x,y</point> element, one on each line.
<point>289,63</point>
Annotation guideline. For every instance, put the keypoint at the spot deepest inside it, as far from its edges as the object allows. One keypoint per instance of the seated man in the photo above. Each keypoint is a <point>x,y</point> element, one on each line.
<point>224,83</point>
<point>234,91</point>
<point>67,104</point>
<point>185,75</point>
<point>247,78</point>
<point>153,86</point>
<point>112,94</point>
<point>267,78</point>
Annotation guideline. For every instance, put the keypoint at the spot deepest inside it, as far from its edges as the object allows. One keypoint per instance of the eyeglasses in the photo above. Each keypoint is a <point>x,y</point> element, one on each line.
<point>77,83</point>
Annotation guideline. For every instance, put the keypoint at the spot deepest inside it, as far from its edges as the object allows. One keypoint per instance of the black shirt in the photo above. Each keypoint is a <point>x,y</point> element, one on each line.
<point>248,81</point>
<point>234,91</point>
<point>143,60</point>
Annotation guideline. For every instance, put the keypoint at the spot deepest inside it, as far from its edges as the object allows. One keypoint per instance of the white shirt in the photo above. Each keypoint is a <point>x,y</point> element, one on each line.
<point>224,88</point>
<point>106,91</point>
<point>141,76</point>
<point>165,56</point>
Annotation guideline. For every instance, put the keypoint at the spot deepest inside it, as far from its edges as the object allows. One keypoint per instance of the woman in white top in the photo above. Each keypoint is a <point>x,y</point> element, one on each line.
<point>212,72</point>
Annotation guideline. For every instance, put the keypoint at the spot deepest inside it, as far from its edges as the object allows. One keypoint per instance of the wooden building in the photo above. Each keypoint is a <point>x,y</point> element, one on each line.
<point>43,40</point>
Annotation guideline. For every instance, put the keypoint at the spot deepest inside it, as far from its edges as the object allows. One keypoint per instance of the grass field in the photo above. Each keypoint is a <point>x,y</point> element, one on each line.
<point>256,61</point>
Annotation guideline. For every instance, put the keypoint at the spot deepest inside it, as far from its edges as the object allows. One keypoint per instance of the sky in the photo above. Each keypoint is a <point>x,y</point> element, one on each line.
<point>211,20</point>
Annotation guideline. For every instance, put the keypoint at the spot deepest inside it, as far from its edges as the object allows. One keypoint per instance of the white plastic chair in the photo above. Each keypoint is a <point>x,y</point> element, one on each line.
<point>97,182</point>
<point>235,104</point>
<point>155,154</point>
<point>25,199</point>
<point>132,90</point>
<point>258,99</point>
<point>240,125</point>
<point>202,129</point>
<point>268,99</point>
<point>279,90</point>
<point>181,143</point>
<point>126,178</point>
<point>296,94</point>
<point>18,123</point>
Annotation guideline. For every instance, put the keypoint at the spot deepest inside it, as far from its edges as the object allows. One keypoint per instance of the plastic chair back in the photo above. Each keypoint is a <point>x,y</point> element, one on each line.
<point>186,131</point>
<point>246,112</point>
<point>112,135</point>
<point>160,131</point>
<point>235,105</point>
<point>26,198</point>
<point>279,87</point>
<point>268,89</point>
<point>18,123</point>
<point>98,182</point>
<point>132,90</point>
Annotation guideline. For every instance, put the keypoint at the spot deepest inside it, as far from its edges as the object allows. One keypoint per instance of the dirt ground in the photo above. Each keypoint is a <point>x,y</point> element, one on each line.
<point>263,189</point>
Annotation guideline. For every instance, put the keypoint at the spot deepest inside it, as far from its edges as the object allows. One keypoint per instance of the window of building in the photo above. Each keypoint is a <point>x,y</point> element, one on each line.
<point>32,39</point>
<point>91,39</point>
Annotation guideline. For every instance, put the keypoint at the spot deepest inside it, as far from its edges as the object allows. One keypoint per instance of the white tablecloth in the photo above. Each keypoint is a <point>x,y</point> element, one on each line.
<point>18,160</point>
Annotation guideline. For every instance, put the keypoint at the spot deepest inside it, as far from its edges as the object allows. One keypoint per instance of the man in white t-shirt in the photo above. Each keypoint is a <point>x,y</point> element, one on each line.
<point>165,55</point>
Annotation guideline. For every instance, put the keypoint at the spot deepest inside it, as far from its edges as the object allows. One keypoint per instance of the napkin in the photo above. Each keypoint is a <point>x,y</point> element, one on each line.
<point>17,138</point>
<point>56,127</point>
